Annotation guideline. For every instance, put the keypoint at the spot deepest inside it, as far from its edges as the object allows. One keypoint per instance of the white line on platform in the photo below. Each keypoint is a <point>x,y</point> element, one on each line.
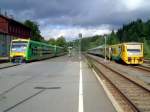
<point>110,96</point>
<point>80,106</point>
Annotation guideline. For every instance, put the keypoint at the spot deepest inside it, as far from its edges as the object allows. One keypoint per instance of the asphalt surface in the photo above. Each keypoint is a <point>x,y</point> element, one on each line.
<point>52,86</point>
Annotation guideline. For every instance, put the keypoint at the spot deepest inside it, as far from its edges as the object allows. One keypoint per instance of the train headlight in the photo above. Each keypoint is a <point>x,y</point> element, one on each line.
<point>141,58</point>
<point>129,59</point>
<point>23,48</point>
<point>13,49</point>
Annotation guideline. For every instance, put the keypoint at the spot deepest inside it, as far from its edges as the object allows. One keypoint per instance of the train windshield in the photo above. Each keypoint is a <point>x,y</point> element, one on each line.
<point>19,46</point>
<point>134,49</point>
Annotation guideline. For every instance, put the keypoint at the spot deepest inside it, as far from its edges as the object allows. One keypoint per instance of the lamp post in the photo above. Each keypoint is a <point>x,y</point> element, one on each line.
<point>80,39</point>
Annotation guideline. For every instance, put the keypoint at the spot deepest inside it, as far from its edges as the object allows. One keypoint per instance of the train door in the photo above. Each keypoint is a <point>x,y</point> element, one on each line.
<point>119,50</point>
<point>113,52</point>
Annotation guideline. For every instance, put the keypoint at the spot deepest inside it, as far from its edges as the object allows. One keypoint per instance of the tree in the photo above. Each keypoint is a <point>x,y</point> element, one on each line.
<point>35,32</point>
<point>61,41</point>
<point>52,41</point>
<point>112,39</point>
<point>146,48</point>
<point>137,31</point>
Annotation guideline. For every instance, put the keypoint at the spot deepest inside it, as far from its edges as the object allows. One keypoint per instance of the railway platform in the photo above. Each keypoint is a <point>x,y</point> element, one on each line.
<point>61,84</point>
<point>7,65</point>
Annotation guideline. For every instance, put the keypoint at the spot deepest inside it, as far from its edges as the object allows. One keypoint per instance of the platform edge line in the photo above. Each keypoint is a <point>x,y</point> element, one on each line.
<point>80,104</point>
<point>110,96</point>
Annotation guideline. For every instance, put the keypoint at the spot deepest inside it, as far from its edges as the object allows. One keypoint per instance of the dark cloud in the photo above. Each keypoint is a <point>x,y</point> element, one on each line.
<point>75,12</point>
<point>84,13</point>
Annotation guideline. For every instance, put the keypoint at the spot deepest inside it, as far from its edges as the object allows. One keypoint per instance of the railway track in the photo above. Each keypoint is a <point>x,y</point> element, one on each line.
<point>136,95</point>
<point>147,61</point>
<point>143,68</point>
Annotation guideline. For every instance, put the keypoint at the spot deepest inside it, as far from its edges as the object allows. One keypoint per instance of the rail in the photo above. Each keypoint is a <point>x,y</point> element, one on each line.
<point>136,95</point>
<point>143,68</point>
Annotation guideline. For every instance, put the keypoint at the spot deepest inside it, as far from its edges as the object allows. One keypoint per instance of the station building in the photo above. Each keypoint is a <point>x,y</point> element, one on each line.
<point>10,29</point>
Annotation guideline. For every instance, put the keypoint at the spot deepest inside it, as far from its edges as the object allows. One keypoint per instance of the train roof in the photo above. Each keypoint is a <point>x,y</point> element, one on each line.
<point>42,43</point>
<point>19,39</point>
<point>102,46</point>
<point>125,43</point>
<point>132,43</point>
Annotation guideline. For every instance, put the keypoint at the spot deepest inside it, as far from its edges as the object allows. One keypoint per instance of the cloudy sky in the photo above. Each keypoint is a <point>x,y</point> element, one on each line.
<point>70,17</point>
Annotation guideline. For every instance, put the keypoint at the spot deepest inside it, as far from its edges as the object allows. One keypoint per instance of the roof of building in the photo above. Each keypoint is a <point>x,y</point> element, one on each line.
<point>14,21</point>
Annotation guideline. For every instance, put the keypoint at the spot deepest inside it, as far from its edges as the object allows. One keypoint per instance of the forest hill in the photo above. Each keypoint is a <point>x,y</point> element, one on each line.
<point>136,31</point>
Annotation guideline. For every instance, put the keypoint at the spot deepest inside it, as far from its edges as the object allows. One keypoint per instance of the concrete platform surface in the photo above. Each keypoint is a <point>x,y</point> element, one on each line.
<point>52,85</point>
<point>7,65</point>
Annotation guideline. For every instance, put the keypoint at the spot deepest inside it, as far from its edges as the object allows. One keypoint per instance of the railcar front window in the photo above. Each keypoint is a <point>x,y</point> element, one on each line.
<point>18,47</point>
<point>133,50</point>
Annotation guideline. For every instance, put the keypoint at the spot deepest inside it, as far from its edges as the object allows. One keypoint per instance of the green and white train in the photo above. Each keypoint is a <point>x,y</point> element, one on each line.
<point>27,50</point>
